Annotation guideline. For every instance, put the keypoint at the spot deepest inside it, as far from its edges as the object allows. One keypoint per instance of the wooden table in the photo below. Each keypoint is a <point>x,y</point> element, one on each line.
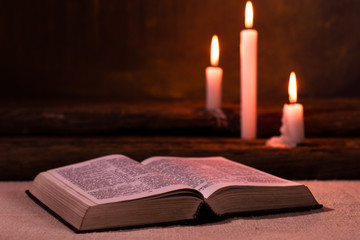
<point>318,158</point>
<point>40,135</point>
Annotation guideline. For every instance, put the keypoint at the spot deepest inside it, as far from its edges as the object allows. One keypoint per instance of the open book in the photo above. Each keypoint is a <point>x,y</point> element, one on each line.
<point>115,191</point>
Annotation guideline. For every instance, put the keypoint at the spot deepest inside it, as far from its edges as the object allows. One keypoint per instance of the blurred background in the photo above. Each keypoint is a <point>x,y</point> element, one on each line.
<point>86,78</point>
<point>143,49</point>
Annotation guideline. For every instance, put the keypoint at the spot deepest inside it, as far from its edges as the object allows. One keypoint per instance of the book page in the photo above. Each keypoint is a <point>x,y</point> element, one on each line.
<point>114,178</point>
<point>210,174</point>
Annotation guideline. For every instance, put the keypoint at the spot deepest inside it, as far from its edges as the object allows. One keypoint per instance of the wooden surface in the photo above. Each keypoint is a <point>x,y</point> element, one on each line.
<point>323,118</point>
<point>36,136</point>
<point>21,158</point>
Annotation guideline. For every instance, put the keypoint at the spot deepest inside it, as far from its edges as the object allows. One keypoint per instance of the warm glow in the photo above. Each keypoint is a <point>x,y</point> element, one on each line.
<point>249,15</point>
<point>292,88</point>
<point>214,56</point>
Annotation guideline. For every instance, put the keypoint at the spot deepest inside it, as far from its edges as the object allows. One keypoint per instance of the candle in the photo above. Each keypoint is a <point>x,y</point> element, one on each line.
<point>213,77</point>
<point>292,128</point>
<point>248,66</point>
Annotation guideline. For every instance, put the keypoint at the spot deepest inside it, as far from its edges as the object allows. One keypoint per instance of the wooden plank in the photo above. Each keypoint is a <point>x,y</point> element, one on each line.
<point>21,158</point>
<point>323,117</point>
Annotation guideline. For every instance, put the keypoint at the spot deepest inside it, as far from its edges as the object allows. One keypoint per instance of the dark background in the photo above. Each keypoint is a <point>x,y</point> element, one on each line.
<point>145,49</point>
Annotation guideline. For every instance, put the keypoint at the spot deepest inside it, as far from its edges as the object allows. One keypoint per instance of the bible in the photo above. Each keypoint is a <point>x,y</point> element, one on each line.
<point>115,191</point>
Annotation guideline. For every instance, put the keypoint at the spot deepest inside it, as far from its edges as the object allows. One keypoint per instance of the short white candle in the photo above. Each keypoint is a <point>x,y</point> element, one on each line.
<point>214,77</point>
<point>292,128</point>
<point>248,77</point>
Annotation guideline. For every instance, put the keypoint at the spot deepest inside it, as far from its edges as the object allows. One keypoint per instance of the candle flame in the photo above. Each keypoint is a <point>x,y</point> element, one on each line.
<point>214,56</point>
<point>292,88</point>
<point>249,15</point>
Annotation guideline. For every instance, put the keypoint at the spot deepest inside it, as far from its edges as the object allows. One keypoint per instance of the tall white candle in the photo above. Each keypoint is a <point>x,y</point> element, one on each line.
<point>292,128</point>
<point>214,77</point>
<point>248,66</point>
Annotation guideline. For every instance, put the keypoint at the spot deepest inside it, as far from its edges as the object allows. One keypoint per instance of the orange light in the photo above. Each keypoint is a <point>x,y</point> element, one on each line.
<point>214,55</point>
<point>249,15</point>
<point>292,88</point>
